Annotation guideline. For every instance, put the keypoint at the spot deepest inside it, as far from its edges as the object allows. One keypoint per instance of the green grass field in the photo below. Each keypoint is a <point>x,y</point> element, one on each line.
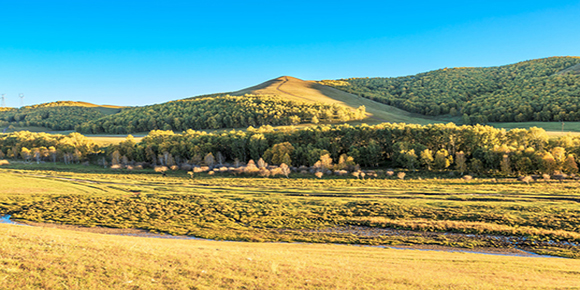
<point>315,215</point>
<point>553,128</point>
<point>541,217</point>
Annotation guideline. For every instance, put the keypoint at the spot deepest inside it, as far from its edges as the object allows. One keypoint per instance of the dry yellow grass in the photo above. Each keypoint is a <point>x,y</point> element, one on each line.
<point>310,91</point>
<point>110,140</point>
<point>47,258</point>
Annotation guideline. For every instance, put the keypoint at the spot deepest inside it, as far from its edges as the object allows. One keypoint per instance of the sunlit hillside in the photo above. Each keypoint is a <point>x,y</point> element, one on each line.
<point>105,109</point>
<point>310,91</point>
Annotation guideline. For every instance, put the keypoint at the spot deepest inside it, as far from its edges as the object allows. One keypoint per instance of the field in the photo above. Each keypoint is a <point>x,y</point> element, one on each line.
<point>489,232</point>
<point>444,214</point>
<point>104,140</point>
<point>553,128</point>
<point>50,258</point>
<point>542,217</point>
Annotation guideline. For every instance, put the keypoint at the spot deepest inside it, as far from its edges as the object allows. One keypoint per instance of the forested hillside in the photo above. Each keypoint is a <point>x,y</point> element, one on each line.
<point>216,112</point>
<point>60,115</point>
<point>532,90</point>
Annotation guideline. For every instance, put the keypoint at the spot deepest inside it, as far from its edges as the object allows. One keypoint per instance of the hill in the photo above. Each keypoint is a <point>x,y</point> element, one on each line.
<point>216,112</point>
<point>536,90</point>
<point>296,89</point>
<point>61,115</point>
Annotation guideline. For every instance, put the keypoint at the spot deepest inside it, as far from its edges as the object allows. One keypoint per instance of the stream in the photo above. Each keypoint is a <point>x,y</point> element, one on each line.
<point>6,219</point>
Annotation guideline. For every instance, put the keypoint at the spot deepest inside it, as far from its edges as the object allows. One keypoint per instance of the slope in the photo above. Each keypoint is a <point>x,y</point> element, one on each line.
<point>312,92</point>
<point>61,115</point>
<point>526,91</point>
<point>219,112</point>
<point>571,70</point>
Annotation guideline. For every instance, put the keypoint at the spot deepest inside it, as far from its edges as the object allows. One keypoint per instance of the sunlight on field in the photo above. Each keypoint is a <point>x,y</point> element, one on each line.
<point>53,258</point>
<point>553,128</point>
<point>17,185</point>
<point>110,140</point>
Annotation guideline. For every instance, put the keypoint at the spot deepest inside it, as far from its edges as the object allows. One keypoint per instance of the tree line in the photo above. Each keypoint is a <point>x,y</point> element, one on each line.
<point>215,112</point>
<point>526,91</point>
<point>439,147</point>
<point>476,149</point>
<point>29,146</point>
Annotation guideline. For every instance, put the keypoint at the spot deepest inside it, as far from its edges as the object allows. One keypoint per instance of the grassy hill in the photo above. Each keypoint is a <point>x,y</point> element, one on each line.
<point>295,89</point>
<point>537,90</point>
<point>541,92</point>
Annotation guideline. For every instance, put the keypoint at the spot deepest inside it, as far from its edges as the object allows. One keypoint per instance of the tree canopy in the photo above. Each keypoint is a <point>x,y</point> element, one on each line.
<point>215,112</point>
<point>62,115</point>
<point>527,91</point>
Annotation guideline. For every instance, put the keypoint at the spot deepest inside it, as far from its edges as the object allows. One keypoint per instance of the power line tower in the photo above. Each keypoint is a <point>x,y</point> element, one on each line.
<point>3,101</point>
<point>21,100</point>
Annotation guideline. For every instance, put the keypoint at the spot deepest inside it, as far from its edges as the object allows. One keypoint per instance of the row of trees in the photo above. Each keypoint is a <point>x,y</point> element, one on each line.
<point>478,149</point>
<point>525,91</point>
<point>215,112</point>
<point>47,147</point>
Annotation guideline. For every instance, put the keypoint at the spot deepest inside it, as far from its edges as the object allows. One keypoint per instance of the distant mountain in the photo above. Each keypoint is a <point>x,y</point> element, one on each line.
<point>536,90</point>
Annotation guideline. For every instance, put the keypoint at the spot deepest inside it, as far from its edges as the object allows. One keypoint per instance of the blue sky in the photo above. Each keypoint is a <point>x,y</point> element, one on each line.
<point>145,52</point>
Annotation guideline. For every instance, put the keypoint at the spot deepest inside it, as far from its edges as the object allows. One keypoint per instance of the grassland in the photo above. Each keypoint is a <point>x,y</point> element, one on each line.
<point>434,212</point>
<point>542,217</point>
<point>104,140</point>
<point>553,128</point>
<point>46,258</point>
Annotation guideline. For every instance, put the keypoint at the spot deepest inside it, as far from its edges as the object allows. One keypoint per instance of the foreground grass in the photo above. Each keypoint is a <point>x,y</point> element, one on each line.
<point>542,217</point>
<point>47,258</point>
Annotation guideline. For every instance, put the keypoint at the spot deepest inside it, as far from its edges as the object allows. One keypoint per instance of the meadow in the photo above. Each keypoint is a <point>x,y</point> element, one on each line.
<point>48,258</point>
<point>542,217</point>
<point>285,233</point>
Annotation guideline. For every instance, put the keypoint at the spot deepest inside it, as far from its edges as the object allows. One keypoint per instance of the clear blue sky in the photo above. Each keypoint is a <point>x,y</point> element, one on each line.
<point>145,52</point>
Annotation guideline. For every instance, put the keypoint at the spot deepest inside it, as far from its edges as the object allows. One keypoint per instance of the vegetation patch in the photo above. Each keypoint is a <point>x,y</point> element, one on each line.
<point>527,91</point>
<point>281,209</point>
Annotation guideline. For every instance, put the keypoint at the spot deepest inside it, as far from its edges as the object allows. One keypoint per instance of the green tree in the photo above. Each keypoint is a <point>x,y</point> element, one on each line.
<point>427,159</point>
